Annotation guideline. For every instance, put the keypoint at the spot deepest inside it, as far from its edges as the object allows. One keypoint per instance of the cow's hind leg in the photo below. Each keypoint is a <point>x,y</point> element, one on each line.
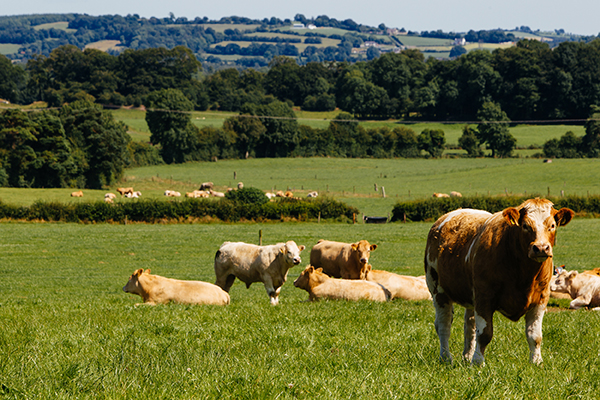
<point>444,310</point>
<point>533,331</point>
<point>470,337</point>
<point>225,281</point>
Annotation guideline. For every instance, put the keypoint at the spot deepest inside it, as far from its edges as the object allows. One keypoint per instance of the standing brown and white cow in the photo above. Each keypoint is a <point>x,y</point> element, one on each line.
<point>251,263</point>
<point>342,260</point>
<point>492,262</point>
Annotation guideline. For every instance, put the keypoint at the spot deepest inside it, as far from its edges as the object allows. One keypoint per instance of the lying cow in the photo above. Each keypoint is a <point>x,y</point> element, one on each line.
<point>110,196</point>
<point>79,193</point>
<point>312,194</point>
<point>155,289</point>
<point>122,191</point>
<point>583,288</point>
<point>492,262</point>
<point>321,286</point>
<point>455,194</point>
<point>400,286</point>
<point>342,260</point>
<point>440,194</point>
<point>251,263</point>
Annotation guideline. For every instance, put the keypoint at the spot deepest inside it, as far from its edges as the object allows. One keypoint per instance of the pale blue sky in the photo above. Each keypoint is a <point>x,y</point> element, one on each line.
<point>575,16</point>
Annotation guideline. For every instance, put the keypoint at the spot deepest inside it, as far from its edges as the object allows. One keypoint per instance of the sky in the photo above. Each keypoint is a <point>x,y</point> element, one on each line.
<point>574,16</point>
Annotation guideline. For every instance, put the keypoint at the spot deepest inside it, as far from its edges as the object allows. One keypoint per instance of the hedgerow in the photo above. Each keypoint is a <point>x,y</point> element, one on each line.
<point>154,210</point>
<point>432,209</point>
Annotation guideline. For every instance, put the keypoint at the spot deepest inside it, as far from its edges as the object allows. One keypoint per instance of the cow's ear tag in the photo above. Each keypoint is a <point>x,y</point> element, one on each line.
<point>282,250</point>
<point>512,216</point>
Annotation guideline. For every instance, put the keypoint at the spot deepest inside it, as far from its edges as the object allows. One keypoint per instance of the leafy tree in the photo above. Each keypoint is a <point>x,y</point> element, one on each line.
<point>590,143</point>
<point>493,130</point>
<point>469,142</point>
<point>281,135</point>
<point>432,141</point>
<point>101,141</point>
<point>248,131</point>
<point>17,133</point>
<point>406,142</point>
<point>12,80</point>
<point>457,51</point>
<point>170,123</point>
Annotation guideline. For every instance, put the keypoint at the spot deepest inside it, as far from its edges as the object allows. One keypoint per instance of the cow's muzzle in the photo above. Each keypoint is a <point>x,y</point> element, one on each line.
<point>364,260</point>
<point>540,251</point>
<point>297,261</point>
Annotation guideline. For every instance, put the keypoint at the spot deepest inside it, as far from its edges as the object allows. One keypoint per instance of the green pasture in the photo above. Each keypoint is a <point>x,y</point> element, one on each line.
<point>526,135</point>
<point>8,48</point>
<point>69,331</point>
<point>418,41</point>
<point>352,180</point>
<point>322,31</point>
<point>62,26</point>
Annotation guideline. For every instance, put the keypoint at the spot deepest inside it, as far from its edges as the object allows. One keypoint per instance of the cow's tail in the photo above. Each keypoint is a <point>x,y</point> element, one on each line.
<point>217,254</point>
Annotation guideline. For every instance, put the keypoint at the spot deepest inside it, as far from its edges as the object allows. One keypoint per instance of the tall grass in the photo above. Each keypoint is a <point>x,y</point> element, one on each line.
<point>68,330</point>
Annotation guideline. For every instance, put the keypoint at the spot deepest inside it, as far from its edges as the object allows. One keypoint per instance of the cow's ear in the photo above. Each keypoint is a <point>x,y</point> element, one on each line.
<point>563,216</point>
<point>354,246</point>
<point>572,274</point>
<point>302,247</point>
<point>138,272</point>
<point>511,215</point>
<point>148,271</point>
<point>373,247</point>
<point>319,270</point>
<point>282,250</point>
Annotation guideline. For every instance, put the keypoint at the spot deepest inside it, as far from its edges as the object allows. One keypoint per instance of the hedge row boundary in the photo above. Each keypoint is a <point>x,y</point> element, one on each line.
<point>432,209</point>
<point>155,210</point>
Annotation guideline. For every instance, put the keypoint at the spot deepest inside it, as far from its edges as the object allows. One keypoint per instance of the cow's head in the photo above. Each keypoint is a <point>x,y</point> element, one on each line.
<point>304,278</point>
<point>562,282</point>
<point>537,221</point>
<point>133,285</point>
<point>291,252</point>
<point>362,252</point>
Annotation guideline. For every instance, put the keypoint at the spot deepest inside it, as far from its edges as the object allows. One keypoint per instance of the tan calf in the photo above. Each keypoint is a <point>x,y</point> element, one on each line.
<point>342,260</point>
<point>583,288</point>
<point>77,194</point>
<point>321,286</point>
<point>155,289</point>
<point>400,286</point>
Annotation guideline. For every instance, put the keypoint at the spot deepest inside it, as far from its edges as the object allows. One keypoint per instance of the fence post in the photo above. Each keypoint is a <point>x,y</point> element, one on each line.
<point>260,237</point>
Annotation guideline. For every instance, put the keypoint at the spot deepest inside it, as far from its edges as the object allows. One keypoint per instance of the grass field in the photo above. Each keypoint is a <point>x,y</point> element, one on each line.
<point>69,331</point>
<point>8,48</point>
<point>423,41</point>
<point>352,180</point>
<point>103,45</point>
<point>62,26</point>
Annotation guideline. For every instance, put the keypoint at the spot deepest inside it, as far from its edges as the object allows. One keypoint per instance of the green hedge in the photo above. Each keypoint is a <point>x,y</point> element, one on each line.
<point>154,210</point>
<point>432,209</point>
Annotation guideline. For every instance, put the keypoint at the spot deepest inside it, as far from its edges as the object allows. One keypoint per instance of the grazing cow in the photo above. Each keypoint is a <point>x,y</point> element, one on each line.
<point>206,186</point>
<point>455,194</point>
<point>322,286</point>
<point>342,260</point>
<point>217,194</point>
<point>122,191</point>
<point>312,194</point>
<point>155,289</point>
<point>440,194</point>
<point>251,263</point>
<point>400,286</point>
<point>583,288</point>
<point>110,196</point>
<point>79,193</point>
<point>492,262</point>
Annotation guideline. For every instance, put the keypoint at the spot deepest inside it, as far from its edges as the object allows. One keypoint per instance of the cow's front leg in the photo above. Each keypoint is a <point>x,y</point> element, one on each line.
<point>470,337</point>
<point>533,331</point>
<point>271,291</point>
<point>484,331</point>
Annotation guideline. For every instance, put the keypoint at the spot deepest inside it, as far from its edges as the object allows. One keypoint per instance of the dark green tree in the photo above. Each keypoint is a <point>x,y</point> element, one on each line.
<point>12,80</point>
<point>493,130</point>
<point>469,142</point>
<point>248,131</point>
<point>590,143</point>
<point>432,141</point>
<point>281,135</point>
<point>169,121</point>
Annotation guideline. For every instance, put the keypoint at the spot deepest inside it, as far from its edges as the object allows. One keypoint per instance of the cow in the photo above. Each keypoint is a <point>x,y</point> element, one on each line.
<point>492,262</point>
<point>217,194</point>
<point>400,286</point>
<point>270,195</point>
<point>342,260</point>
<point>279,193</point>
<point>322,286</point>
<point>288,194</point>
<point>240,185</point>
<point>435,194</point>
<point>122,191</point>
<point>133,195</point>
<point>155,289</point>
<point>108,200</point>
<point>172,193</point>
<point>78,193</point>
<point>583,288</point>
<point>110,196</point>
<point>455,194</point>
<point>595,271</point>
<point>206,186</point>
<point>251,263</point>
<point>312,194</point>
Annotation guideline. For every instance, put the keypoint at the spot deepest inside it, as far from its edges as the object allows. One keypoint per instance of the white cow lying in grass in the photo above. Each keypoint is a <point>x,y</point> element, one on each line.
<point>400,286</point>
<point>583,288</point>
<point>155,289</point>
<point>251,263</point>
<point>321,286</point>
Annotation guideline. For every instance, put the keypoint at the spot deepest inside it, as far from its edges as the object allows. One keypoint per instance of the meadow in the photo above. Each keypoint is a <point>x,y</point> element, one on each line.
<point>69,331</point>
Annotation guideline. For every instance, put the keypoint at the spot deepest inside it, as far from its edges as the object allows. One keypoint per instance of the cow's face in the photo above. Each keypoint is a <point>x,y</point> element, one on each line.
<point>563,281</point>
<point>538,221</point>
<point>291,252</point>
<point>133,285</point>
<point>302,281</point>
<point>362,252</point>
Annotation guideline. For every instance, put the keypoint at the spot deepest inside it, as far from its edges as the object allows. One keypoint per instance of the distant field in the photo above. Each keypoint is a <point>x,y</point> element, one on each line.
<point>323,31</point>
<point>63,26</point>
<point>8,48</point>
<point>422,41</point>
<point>488,46</point>
<point>104,45</point>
